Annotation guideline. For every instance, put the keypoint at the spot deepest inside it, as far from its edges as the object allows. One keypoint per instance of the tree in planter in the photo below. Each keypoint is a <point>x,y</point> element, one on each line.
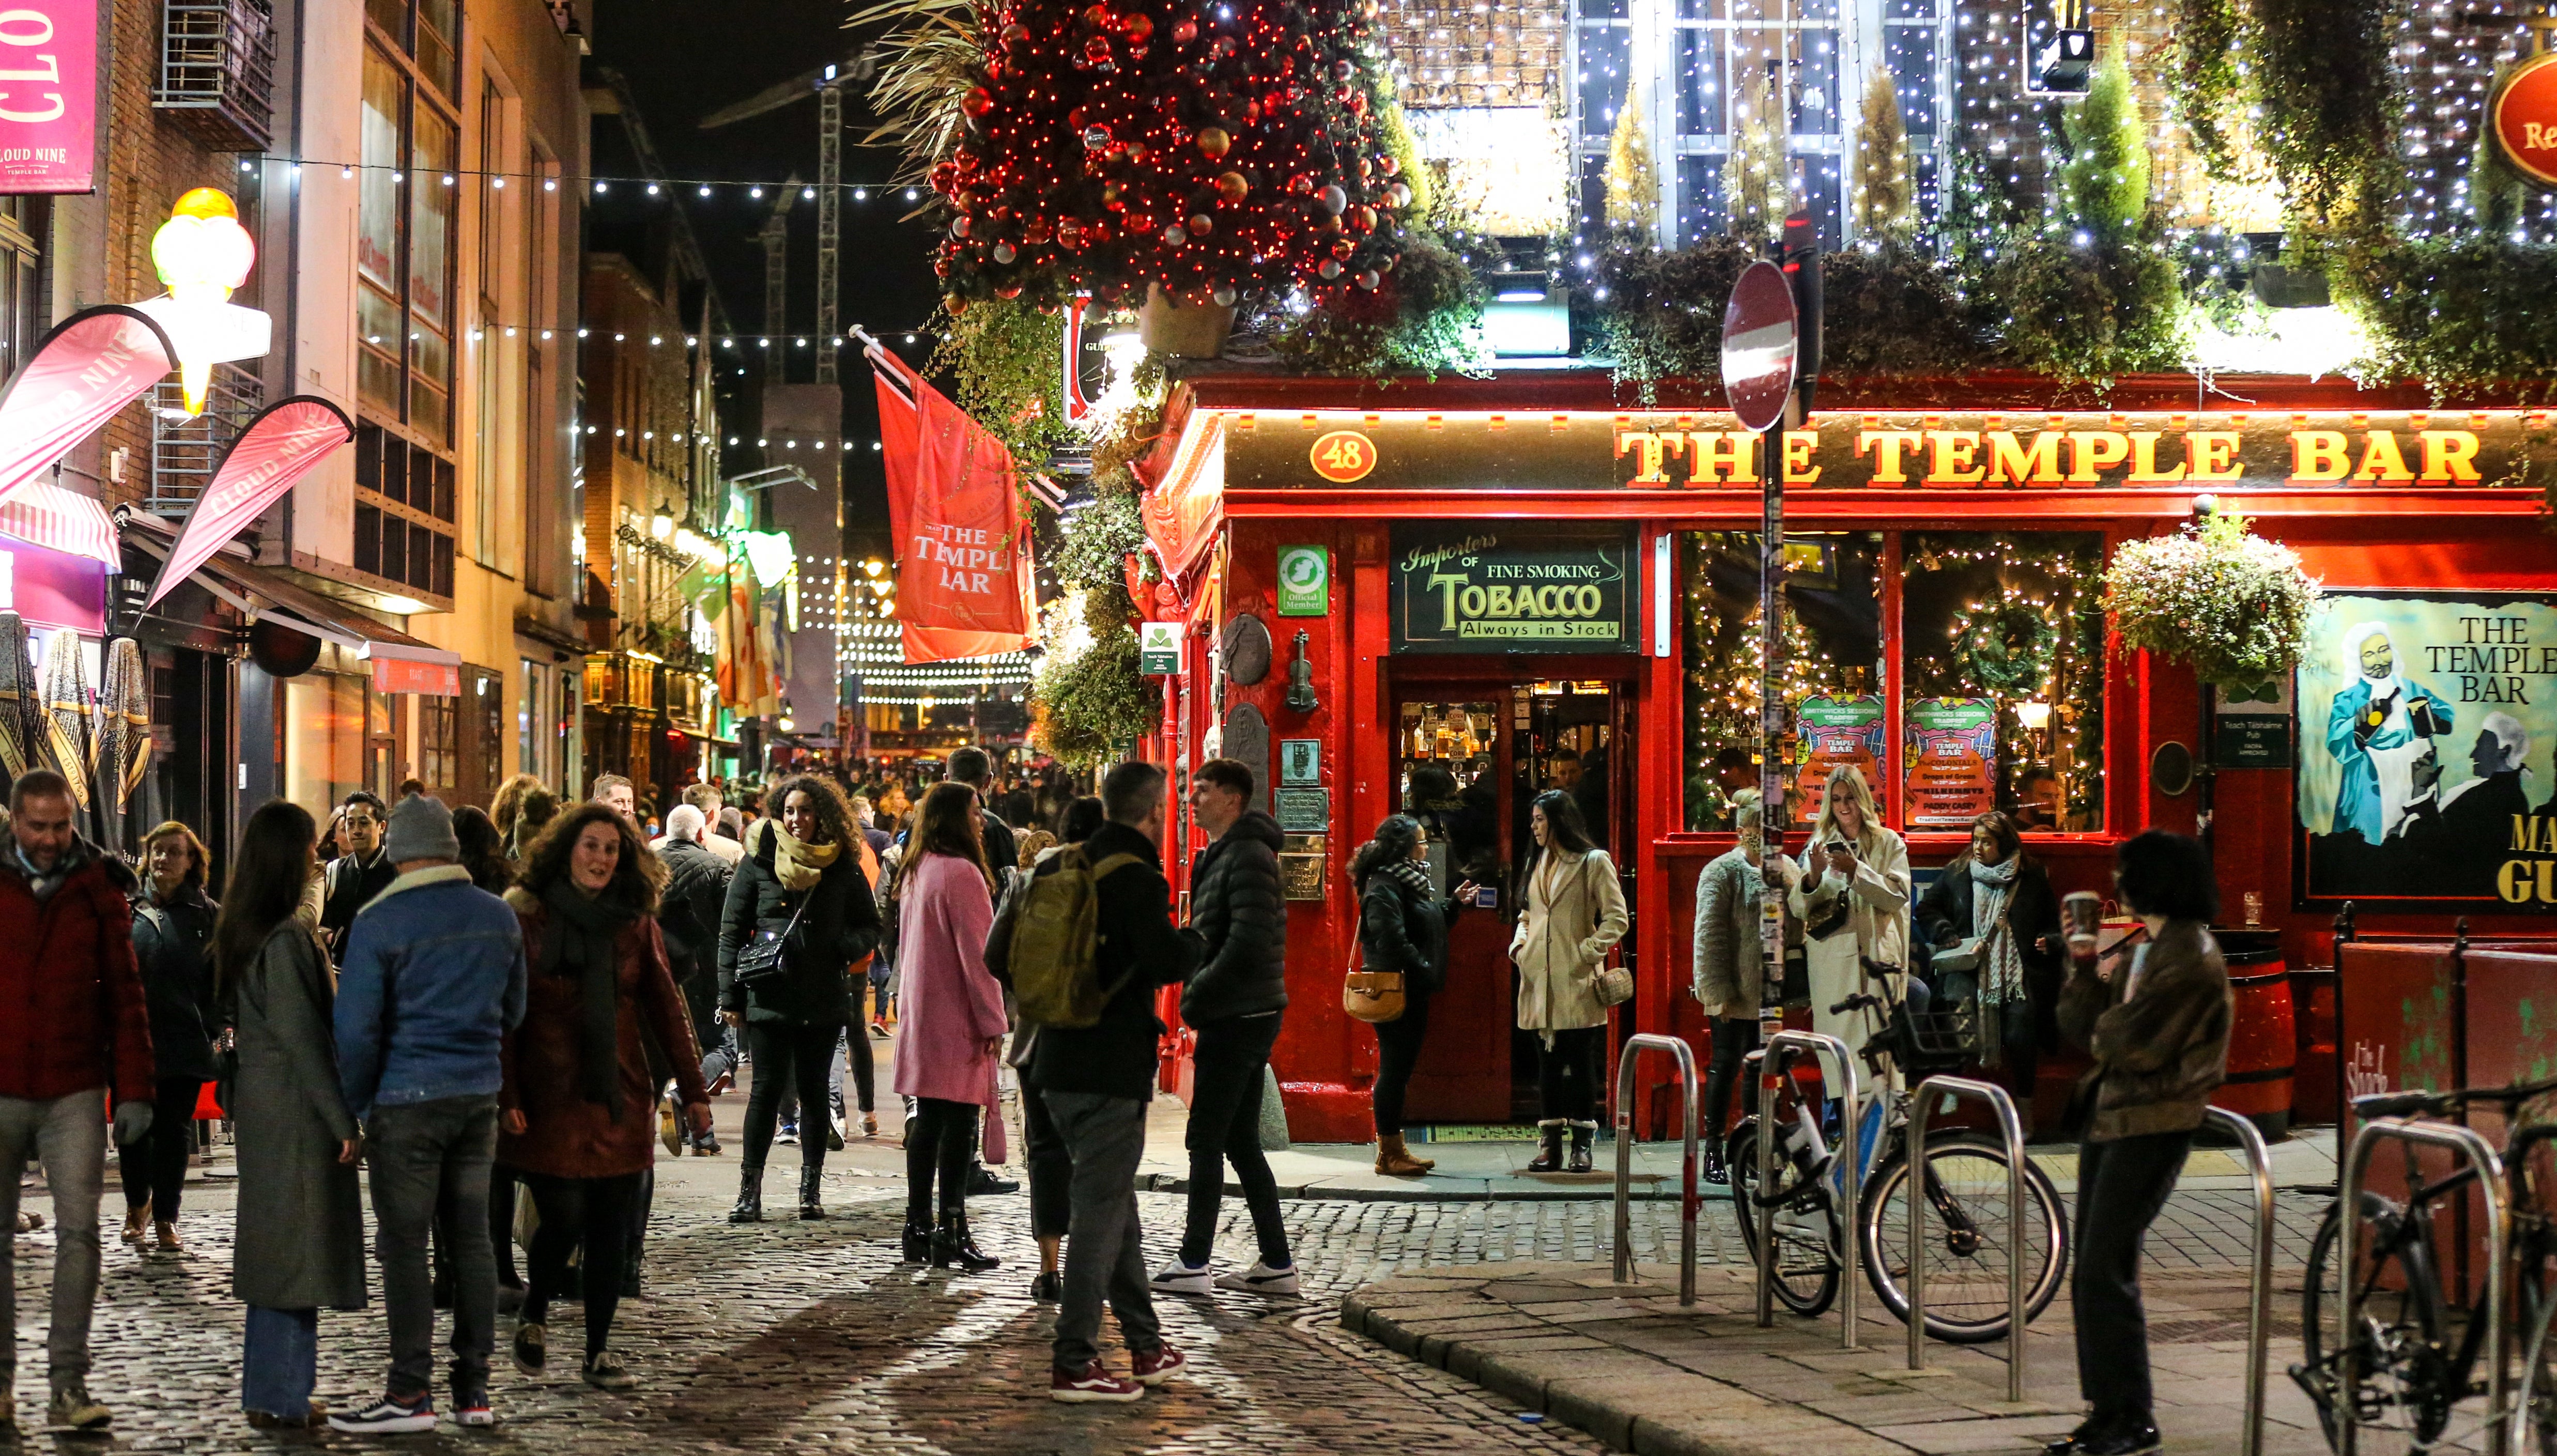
<point>1209,147</point>
<point>1758,176</point>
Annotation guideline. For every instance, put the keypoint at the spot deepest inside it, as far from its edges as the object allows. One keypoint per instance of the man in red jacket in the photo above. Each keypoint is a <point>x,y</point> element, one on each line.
<point>73,1028</point>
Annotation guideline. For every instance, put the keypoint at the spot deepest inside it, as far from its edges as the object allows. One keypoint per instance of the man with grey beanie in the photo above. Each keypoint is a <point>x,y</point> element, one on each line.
<point>433,982</point>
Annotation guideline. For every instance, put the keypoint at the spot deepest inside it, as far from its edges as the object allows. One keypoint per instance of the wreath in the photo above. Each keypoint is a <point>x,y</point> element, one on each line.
<point>2003,649</point>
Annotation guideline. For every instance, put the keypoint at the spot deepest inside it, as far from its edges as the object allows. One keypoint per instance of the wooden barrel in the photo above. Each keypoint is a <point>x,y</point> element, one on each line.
<point>2262,1044</point>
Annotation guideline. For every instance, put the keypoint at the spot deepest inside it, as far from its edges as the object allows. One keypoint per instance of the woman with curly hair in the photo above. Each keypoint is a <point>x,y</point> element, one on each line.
<point>801,882</point>
<point>579,1100</point>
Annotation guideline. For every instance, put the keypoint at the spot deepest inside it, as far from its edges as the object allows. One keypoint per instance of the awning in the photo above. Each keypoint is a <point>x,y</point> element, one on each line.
<point>1184,503</point>
<point>401,663</point>
<point>57,518</point>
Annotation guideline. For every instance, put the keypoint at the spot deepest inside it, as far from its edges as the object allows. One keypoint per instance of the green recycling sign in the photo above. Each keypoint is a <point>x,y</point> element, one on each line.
<point>1304,581</point>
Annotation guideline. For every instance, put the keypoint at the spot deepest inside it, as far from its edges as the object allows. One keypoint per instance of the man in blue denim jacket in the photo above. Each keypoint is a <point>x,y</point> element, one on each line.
<point>434,980</point>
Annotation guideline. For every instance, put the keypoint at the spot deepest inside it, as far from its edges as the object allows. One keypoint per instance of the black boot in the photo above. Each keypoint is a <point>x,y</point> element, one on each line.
<point>953,1244</point>
<point>1582,1134</point>
<point>1548,1159</point>
<point>810,1180</point>
<point>916,1247</point>
<point>1714,1172</point>
<point>749,1196</point>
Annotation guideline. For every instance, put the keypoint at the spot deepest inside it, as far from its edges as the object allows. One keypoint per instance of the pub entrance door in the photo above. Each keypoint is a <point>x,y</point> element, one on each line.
<point>1471,755</point>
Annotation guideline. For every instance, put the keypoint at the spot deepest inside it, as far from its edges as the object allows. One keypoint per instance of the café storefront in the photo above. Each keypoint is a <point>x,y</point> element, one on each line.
<point>1446,598</point>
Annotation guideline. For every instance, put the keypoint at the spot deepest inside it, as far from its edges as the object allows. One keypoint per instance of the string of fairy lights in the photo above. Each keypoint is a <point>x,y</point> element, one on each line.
<point>701,188</point>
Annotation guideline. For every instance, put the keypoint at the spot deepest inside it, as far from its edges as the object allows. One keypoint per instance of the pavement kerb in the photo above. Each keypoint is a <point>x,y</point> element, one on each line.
<point>1632,1400</point>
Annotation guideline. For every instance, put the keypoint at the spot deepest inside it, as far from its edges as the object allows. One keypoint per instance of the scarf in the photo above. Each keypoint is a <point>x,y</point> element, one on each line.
<point>2002,977</point>
<point>795,864</point>
<point>580,943</point>
<point>1414,876</point>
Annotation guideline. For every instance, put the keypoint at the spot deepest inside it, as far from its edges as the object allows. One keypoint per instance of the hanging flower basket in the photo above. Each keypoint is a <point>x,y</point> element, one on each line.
<point>2232,604</point>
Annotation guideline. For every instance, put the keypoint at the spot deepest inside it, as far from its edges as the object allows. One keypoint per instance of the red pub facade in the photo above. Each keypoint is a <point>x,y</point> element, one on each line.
<point>1474,589</point>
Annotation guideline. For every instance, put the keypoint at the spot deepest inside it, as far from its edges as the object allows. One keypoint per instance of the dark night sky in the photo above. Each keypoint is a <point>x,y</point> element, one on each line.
<point>688,58</point>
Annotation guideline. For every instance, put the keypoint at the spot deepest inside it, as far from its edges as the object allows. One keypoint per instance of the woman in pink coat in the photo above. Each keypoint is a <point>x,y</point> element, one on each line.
<point>951,1024</point>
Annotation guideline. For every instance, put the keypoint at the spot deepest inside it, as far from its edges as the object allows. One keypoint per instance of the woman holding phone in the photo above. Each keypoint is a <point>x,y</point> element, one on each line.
<point>1853,898</point>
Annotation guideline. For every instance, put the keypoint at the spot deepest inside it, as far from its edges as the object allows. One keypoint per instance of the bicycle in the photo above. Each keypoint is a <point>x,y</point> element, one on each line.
<point>2417,1349</point>
<point>1967,1187</point>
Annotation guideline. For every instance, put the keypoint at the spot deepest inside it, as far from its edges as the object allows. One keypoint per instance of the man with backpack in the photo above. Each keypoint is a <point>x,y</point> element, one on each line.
<point>1233,1005</point>
<point>1093,939</point>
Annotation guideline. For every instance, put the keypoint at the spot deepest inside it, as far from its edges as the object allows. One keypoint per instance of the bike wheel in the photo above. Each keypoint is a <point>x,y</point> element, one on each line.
<point>1970,1241</point>
<point>2400,1345</point>
<point>2534,1431</point>
<point>1806,1230</point>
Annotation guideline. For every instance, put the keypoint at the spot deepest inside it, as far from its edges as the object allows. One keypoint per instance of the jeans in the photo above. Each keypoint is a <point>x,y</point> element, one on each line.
<point>939,1139</point>
<point>501,1226</point>
<point>1051,1167</point>
<point>2121,1186</point>
<point>1397,1051</point>
<point>1225,1126</point>
<point>155,1169</point>
<point>1566,1072</point>
<point>1734,1038</point>
<point>69,1135</point>
<point>792,1055</point>
<point>594,1212</point>
<point>429,1163</point>
<point>280,1361</point>
<point>1105,1251</point>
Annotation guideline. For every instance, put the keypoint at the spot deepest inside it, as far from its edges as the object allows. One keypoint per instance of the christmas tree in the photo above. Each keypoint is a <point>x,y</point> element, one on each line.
<point>2104,185</point>
<point>1884,196</point>
<point>1212,147</point>
<point>1633,188</point>
<point>1757,178</point>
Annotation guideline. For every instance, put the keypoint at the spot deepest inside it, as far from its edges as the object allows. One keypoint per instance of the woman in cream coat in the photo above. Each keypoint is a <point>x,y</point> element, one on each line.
<point>1853,861</point>
<point>1574,914</point>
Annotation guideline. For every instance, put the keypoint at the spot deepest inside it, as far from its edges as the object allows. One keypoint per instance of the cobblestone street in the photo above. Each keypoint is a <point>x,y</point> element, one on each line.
<point>792,1336</point>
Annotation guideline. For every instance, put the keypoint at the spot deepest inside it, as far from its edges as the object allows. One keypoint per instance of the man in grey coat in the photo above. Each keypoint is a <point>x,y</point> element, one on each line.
<point>1730,963</point>
<point>1233,1003</point>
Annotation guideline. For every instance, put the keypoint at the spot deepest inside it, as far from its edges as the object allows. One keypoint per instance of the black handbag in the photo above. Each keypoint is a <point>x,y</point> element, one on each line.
<point>759,962</point>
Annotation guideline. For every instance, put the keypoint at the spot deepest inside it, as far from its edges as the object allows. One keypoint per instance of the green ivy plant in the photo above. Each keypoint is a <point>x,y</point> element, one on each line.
<point>2462,313</point>
<point>2204,83</point>
<point>1008,359</point>
<point>2327,101</point>
<point>1424,318</point>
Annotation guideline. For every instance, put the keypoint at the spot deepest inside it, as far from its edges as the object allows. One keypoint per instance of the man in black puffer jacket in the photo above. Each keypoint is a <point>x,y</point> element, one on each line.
<point>1233,1005</point>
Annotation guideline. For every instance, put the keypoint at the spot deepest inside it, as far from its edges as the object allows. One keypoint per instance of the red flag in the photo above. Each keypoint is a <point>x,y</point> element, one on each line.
<point>278,447</point>
<point>964,578</point>
<point>92,364</point>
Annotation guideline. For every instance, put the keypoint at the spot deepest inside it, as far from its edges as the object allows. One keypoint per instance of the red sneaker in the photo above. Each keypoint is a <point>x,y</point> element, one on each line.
<point>1155,1365</point>
<point>1093,1383</point>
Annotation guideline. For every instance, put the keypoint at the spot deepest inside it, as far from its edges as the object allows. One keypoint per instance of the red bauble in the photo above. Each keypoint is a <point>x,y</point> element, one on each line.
<point>978,101</point>
<point>1388,165</point>
<point>1137,28</point>
<point>1214,141</point>
<point>1232,187</point>
<point>1329,270</point>
<point>1112,196</point>
<point>1097,17</point>
<point>1301,185</point>
<point>1017,34</point>
<point>1139,222</point>
<point>1202,225</point>
<point>1358,104</point>
<point>1342,248</point>
<point>1096,51</point>
<point>1035,231</point>
<point>1342,70</point>
<point>1363,219</point>
<point>1184,31</point>
<point>1011,292</point>
<point>955,303</point>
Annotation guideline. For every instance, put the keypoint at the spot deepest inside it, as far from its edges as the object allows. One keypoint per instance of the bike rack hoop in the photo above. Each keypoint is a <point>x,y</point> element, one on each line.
<point>2498,1233</point>
<point>1780,1052</point>
<point>1922,1103</point>
<point>2259,1274</point>
<point>1677,1048</point>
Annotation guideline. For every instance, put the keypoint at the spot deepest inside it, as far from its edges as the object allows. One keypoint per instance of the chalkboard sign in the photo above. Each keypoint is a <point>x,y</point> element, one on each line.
<point>1508,586</point>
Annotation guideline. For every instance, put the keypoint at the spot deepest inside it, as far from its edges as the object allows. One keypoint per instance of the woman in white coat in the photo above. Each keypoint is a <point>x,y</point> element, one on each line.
<point>1853,885</point>
<point>1574,915</point>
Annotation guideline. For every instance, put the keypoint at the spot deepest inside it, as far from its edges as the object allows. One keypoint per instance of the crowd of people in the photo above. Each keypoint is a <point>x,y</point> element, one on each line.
<point>472,1009</point>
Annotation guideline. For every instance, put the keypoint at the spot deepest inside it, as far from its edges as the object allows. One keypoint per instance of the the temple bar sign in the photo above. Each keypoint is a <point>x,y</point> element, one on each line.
<point>1915,452</point>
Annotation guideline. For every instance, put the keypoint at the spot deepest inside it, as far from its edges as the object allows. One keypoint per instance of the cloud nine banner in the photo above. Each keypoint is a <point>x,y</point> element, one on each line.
<point>2428,750</point>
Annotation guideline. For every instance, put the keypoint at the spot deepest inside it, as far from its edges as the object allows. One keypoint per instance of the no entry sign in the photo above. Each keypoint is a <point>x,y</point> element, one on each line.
<point>1759,336</point>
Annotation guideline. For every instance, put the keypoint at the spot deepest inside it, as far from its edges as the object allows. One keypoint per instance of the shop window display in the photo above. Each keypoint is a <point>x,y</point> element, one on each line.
<point>1832,663</point>
<point>2004,660</point>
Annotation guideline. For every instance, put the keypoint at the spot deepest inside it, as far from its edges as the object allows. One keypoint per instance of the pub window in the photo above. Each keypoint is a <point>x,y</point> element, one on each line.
<point>404,248</point>
<point>404,511</point>
<point>438,742</point>
<point>2003,661</point>
<point>1833,672</point>
<point>1687,67</point>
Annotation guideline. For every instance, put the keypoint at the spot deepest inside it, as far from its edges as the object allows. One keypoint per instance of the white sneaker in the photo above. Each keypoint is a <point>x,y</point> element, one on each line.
<point>1261,1278</point>
<point>1178,1277</point>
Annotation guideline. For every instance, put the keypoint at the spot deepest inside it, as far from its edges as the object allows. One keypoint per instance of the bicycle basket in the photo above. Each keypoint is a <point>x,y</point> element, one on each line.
<point>1932,1041</point>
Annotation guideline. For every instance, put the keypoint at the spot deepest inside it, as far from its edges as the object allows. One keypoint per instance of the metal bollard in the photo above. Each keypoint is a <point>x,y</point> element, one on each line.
<point>1690,1199</point>
<point>1851,1126</point>
<point>1922,1103</point>
<point>2259,1275</point>
<point>2498,1241</point>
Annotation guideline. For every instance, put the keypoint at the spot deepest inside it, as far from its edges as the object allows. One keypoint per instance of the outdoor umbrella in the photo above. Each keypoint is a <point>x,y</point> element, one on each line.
<point>20,705</point>
<point>123,742</point>
<point>66,701</point>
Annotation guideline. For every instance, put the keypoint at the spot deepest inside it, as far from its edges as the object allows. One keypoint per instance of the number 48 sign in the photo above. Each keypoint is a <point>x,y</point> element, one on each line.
<point>1343,456</point>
